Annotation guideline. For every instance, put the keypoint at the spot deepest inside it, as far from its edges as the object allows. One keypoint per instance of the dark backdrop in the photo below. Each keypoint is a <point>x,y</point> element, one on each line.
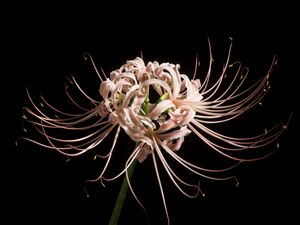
<point>43,45</point>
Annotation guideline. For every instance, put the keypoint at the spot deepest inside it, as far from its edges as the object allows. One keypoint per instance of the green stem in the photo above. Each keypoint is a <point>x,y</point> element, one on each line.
<point>121,197</point>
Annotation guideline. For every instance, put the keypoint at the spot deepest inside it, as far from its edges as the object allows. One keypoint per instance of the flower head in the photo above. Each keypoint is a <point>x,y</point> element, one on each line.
<point>157,107</point>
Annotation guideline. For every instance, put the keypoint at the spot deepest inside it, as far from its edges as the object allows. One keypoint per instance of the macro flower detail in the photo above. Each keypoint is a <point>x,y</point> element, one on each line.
<point>157,106</point>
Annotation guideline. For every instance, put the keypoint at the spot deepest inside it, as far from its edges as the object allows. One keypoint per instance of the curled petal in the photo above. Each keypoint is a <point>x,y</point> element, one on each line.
<point>160,108</point>
<point>144,152</point>
<point>106,88</point>
<point>182,115</point>
<point>103,110</point>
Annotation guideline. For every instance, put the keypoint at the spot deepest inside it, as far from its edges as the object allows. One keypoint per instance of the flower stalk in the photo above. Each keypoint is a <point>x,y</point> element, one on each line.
<point>121,196</point>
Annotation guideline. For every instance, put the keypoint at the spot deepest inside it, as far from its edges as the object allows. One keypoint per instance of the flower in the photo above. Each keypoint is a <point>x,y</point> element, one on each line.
<point>158,107</point>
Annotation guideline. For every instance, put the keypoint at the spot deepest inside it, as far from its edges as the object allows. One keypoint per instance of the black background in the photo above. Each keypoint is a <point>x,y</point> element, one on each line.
<point>44,44</point>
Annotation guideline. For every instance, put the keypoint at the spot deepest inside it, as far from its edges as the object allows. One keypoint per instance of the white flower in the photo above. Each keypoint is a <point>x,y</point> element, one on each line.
<point>159,126</point>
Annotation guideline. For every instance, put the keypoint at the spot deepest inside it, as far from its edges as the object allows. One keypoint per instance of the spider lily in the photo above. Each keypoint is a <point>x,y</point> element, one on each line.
<point>159,125</point>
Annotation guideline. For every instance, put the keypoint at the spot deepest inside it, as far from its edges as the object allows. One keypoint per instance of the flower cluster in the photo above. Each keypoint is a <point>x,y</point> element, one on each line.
<point>150,122</point>
<point>157,107</point>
